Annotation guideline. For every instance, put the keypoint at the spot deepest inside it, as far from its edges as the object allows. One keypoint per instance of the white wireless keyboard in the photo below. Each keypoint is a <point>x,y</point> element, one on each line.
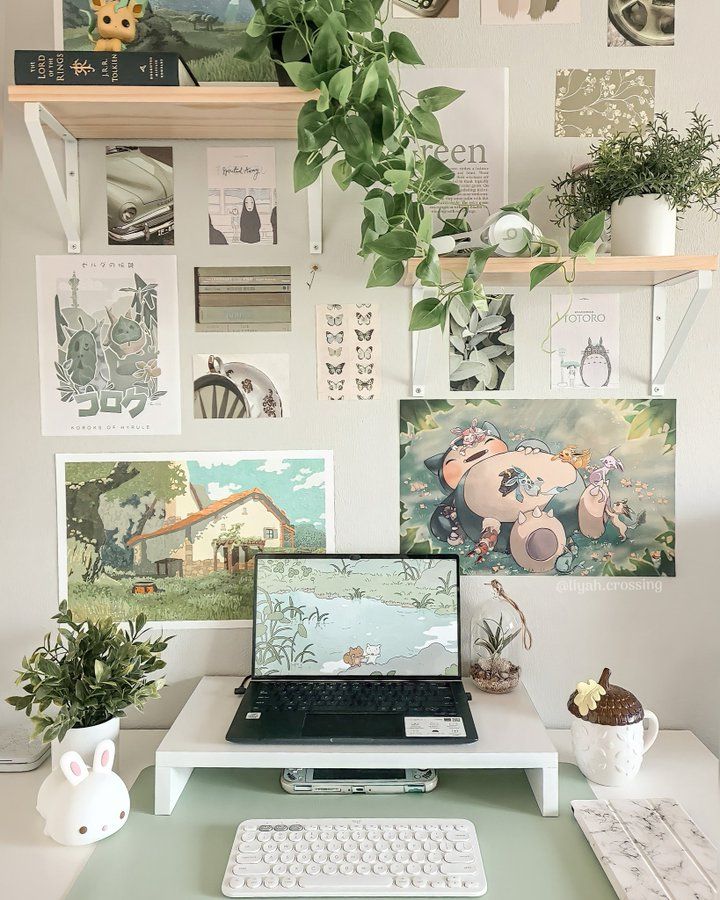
<point>355,858</point>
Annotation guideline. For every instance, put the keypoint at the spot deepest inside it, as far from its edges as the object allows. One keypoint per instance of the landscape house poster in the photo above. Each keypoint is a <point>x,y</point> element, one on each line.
<point>205,33</point>
<point>554,487</point>
<point>242,198</point>
<point>475,135</point>
<point>174,535</point>
<point>108,345</point>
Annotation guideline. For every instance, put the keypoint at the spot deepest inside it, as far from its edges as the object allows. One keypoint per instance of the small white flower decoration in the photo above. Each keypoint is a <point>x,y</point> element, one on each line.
<point>587,695</point>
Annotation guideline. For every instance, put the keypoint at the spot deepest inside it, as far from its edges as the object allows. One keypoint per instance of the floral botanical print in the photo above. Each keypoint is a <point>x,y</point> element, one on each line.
<point>602,102</point>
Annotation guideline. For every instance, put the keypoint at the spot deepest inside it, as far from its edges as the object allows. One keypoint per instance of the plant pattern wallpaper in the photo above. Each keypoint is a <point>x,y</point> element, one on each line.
<point>598,103</point>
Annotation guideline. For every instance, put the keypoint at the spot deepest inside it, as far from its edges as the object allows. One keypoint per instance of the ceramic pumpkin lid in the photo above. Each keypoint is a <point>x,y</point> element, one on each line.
<point>603,703</point>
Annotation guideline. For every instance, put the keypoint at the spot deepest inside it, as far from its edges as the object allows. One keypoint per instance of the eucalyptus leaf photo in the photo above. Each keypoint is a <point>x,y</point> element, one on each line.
<point>482,347</point>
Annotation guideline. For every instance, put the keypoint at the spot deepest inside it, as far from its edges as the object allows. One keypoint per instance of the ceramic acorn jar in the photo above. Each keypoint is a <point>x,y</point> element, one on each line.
<point>607,731</point>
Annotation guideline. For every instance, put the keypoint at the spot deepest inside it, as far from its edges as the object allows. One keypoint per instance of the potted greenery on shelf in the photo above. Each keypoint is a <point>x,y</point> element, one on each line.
<point>645,180</point>
<point>77,685</point>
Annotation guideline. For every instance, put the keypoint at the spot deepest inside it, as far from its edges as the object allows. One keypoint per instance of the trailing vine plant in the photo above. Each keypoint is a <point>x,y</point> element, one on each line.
<point>371,133</point>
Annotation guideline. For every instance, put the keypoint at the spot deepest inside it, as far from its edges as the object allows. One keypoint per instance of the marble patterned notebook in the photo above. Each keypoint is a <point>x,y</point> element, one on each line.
<point>650,849</point>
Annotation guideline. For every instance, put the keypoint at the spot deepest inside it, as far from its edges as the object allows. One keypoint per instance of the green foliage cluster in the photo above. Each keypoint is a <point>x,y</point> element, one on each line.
<point>655,159</point>
<point>496,636</point>
<point>90,672</point>
<point>373,134</point>
<point>281,633</point>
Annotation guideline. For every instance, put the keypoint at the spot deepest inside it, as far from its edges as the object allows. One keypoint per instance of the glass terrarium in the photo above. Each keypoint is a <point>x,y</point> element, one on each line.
<point>498,631</point>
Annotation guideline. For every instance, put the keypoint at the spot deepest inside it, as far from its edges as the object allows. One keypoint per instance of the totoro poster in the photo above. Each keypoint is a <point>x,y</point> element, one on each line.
<point>546,487</point>
<point>108,345</point>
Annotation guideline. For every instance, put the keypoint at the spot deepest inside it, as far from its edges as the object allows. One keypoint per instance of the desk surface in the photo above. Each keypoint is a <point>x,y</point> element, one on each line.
<point>35,868</point>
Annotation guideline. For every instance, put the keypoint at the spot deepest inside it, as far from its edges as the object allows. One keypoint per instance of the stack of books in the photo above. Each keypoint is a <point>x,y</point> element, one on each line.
<point>243,298</point>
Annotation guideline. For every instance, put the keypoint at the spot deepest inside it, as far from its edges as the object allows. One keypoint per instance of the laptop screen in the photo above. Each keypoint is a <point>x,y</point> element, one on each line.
<point>356,616</point>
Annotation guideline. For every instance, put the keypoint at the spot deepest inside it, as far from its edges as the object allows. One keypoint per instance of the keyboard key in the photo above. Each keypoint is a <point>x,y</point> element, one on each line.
<point>458,868</point>
<point>402,881</point>
<point>251,869</point>
<point>288,881</point>
<point>358,882</point>
<point>271,881</point>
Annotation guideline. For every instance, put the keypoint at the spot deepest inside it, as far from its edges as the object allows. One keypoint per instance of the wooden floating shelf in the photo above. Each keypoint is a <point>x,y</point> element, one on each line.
<point>170,113</point>
<point>617,271</point>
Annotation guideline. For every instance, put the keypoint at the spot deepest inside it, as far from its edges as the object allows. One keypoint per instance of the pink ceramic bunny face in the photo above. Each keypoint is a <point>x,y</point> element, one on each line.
<point>82,806</point>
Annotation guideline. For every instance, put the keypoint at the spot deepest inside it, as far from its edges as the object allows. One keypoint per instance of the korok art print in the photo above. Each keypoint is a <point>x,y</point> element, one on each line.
<point>547,487</point>
<point>108,345</point>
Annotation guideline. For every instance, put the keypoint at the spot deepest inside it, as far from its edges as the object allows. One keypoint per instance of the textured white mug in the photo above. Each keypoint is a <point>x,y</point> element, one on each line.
<point>612,754</point>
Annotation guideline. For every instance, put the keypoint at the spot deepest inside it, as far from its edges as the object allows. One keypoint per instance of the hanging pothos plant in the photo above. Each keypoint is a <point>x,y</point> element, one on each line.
<point>373,134</point>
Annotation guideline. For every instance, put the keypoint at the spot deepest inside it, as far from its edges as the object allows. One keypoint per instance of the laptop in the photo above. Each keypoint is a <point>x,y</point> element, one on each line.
<point>355,649</point>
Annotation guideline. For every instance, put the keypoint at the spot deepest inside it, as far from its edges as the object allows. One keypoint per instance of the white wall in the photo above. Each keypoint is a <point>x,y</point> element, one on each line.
<point>661,645</point>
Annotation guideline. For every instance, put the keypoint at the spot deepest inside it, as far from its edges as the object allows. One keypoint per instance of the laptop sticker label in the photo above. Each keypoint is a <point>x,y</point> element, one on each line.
<point>434,726</point>
<point>253,715</point>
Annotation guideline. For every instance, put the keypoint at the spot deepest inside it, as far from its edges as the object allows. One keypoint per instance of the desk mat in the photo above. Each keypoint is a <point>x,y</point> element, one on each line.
<point>183,856</point>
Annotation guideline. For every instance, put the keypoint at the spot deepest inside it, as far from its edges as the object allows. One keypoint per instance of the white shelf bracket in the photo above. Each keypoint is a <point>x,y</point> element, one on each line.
<point>65,196</point>
<point>315,214</point>
<point>663,360</point>
<point>420,344</point>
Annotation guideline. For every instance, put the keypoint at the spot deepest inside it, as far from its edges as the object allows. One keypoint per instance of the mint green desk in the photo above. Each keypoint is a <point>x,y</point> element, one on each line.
<point>183,857</point>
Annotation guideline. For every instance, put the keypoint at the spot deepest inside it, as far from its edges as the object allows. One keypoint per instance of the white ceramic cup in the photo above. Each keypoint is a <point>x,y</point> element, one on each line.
<point>612,754</point>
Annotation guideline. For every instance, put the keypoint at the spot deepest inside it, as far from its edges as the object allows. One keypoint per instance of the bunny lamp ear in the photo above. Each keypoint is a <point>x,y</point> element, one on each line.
<point>104,756</point>
<point>73,767</point>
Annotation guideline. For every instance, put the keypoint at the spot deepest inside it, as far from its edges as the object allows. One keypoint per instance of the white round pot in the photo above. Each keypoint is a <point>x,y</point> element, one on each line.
<point>643,226</point>
<point>85,740</point>
<point>612,754</point>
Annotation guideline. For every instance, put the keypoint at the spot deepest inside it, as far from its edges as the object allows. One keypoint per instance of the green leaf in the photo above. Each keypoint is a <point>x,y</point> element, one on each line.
<point>376,207</point>
<point>323,101</point>
<point>360,16</point>
<point>354,137</point>
<point>250,49</point>
<point>385,272</point>
<point>435,170</point>
<point>433,99</point>
<point>523,205</point>
<point>398,244</point>
<point>398,178</point>
<point>428,313</point>
<point>588,250</point>
<point>302,75</point>
<point>327,52</point>
<point>341,84</point>
<point>428,271</point>
<point>478,258</point>
<point>257,26</point>
<point>424,233</point>
<point>293,47</point>
<point>306,170</point>
<point>540,273</point>
<point>402,48</point>
<point>427,127</point>
<point>589,231</point>
<point>342,173</point>
<point>370,85</point>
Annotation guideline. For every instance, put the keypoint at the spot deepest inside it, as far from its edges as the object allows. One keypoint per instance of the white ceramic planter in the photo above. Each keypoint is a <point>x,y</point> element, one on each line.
<point>612,754</point>
<point>85,740</point>
<point>643,226</point>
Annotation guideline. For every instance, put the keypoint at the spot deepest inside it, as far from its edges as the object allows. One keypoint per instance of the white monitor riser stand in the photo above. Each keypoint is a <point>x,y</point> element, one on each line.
<point>511,736</point>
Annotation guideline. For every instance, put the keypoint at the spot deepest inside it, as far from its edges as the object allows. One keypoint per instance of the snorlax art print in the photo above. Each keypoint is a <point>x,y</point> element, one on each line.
<point>108,345</point>
<point>547,487</point>
<point>362,617</point>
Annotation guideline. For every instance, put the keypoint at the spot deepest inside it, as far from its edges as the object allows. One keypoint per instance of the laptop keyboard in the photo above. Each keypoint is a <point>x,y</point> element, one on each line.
<point>406,697</point>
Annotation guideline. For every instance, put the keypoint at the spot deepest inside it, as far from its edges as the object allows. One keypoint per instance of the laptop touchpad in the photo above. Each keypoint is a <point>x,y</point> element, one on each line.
<point>353,725</point>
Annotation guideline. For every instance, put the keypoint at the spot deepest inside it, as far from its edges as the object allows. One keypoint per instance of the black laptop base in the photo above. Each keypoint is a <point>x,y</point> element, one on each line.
<point>354,711</point>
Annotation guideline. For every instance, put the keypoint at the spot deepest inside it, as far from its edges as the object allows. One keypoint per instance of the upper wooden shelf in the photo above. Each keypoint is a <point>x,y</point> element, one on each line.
<point>605,271</point>
<point>171,113</point>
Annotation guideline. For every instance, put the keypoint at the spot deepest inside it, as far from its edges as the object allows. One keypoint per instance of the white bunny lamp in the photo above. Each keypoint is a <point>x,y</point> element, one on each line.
<point>81,805</point>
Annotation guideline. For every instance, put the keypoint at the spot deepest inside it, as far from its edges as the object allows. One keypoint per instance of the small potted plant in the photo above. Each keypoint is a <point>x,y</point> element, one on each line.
<point>498,624</point>
<point>79,683</point>
<point>645,180</point>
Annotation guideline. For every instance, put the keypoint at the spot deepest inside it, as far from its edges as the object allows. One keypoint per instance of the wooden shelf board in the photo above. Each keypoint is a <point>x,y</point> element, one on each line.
<point>605,271</point>
<point>171,113</point>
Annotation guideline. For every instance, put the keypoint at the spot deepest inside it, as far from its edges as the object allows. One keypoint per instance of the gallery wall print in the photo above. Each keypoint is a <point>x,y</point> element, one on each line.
<point>348,351</point>
<point>530,12</point>
<point>546,487</point>
<point>206,34</point>
<point>425,9</point>
<point>585,342</point>
<point>174,535</point>
<point>140,195</point>
<point>242,196</point>
<point>641,23</point>
<point>482,348</point>
<point>475,132</point>
<point>243,298</point>
<point>108,345</point>
<point>241,386</point>
<point>598,103</point>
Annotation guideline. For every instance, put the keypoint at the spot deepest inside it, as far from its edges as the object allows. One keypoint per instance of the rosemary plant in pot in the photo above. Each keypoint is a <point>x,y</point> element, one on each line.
<point>646,180</point>
<point>78,683</point>
<point>499,623</point>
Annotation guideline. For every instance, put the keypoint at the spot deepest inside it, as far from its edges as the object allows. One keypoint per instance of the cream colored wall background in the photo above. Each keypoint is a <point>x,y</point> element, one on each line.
<point>662,645</point>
